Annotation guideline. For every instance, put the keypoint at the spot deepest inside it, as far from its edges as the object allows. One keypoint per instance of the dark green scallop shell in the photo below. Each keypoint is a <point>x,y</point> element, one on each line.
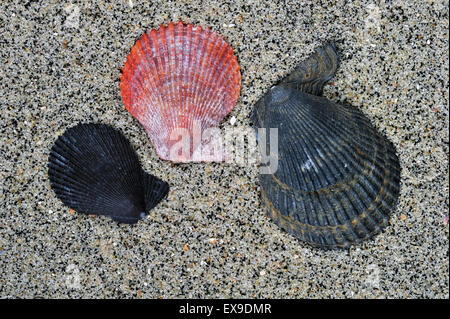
<point>338,178</point>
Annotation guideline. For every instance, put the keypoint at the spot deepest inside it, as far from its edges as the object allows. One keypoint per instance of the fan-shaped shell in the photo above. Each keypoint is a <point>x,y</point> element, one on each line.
<point>337,179</point>
<point>94,170</point>
<point>177,77</point>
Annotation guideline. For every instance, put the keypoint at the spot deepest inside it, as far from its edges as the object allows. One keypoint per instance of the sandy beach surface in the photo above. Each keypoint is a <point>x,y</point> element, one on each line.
<point>60,64</point>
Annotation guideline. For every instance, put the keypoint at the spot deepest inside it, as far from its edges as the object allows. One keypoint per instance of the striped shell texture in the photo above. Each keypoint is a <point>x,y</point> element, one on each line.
<point>94,170</point>
<point>177,78</point>
<point>338,178</point>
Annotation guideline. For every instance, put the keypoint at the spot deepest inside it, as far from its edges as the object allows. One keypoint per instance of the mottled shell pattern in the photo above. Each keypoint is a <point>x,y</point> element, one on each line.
<point>338,178</point>
<point>177,76</point>
<point>94,170</point>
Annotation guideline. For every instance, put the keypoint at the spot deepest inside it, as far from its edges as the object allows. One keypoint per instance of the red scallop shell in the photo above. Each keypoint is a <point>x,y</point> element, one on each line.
<point>177,76</point>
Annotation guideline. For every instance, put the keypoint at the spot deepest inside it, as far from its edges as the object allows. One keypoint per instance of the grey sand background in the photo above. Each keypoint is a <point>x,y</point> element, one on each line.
<point>60,64</point>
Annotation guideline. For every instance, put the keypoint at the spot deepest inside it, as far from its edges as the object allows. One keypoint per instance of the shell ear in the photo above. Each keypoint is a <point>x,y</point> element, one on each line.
<point>155,191</point>
<point>311,75</point>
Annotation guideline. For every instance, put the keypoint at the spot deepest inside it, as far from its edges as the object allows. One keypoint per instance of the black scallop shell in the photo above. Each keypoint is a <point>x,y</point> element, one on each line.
<point>338,179</point>
<point>94,170</point>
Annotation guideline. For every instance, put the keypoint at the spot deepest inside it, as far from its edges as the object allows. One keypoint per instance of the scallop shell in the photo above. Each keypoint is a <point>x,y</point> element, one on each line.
<point>178,78</point>
<point>337,179</point>
<point>94,170</point>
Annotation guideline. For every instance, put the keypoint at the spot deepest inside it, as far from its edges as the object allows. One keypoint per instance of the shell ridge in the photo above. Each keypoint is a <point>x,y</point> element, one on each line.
<point>318,117</point>
<point>151,97</point>
<point>300,181</point>
<point>300,157</point>
<point>171,72</point>
<point>193,79</point>
<point>337,131</point>
<point>187,43</point>
<point>281,194</point>
<point>225,76</point>
<point>207,82</point>
<point>68,145</point>
<point>199,108</point>
<point>194,48</point>
<point>161,75</point>
<point>64,176</point>
<point>166,74</point>
<point>358,208</point>
<point>312,213</point>
<point>179,63</point>
<point>366,216</point>
<point>333,218</point>
<point>221,93</point>
<point>170,67</point>
<point>304,127</point>
<point>344,144</point>
<point>136,84</point>
<point>375,209</point>
<point>221,49</point>
<point>307,150</point>
<point>66,191</point>
<point>129,164</point>
<point>164,108</point>
<point>181,36</point>
<point>103,138</point>
<point>209,86</point>
<point>221,80</point>
<point>199,47</point>
<point>349,199</point>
